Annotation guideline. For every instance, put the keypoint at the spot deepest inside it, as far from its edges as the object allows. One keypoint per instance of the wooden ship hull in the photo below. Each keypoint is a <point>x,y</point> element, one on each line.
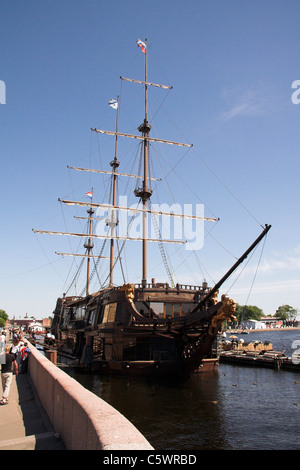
<point>149,331</point>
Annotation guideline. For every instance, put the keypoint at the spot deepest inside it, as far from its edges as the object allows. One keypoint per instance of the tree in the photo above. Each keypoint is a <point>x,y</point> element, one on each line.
<point>248,312</point>
<point>3,318</point>
<point>286,312</point>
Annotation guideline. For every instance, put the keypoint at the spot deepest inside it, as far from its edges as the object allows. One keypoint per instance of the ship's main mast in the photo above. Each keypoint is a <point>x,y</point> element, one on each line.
<point>145,192</point>
<point>115,164</point>
<point>89,246</point>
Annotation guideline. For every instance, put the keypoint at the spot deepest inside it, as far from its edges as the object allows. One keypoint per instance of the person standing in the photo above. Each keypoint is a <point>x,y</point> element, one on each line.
<point>23,366</point>
<point>2,341</point>
<point>7,373</point>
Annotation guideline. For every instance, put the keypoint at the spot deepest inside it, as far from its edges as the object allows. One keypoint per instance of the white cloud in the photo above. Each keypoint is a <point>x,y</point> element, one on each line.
<point>287,260</point>
<point>271,287</point>
<point>251,102</point>
<point>281,263</point>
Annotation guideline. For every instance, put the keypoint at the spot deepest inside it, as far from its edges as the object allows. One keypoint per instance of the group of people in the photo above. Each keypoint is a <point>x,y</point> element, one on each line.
<point>14,359</point>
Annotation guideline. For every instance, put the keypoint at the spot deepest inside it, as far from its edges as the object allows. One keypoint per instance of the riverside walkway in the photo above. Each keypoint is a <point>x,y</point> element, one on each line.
<point>24,425</point>
<point>49,410</point>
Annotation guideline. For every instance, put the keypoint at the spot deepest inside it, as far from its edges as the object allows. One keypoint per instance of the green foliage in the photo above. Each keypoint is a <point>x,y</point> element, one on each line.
<point>3,318</point>
<point>286,312</point>
<point>248,312</point>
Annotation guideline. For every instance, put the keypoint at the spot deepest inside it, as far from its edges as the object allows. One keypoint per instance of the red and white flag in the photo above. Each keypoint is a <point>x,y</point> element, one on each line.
<point>142,45</point>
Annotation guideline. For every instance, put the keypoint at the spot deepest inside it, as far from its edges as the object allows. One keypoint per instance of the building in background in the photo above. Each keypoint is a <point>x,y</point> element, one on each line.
<point>25,323</point>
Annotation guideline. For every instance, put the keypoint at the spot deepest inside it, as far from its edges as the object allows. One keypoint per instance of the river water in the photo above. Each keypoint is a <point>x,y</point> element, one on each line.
<point>235,408</point>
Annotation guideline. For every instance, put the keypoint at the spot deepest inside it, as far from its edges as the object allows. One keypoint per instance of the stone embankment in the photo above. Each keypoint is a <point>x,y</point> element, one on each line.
<point>83,420</point>
<point>261,330</point>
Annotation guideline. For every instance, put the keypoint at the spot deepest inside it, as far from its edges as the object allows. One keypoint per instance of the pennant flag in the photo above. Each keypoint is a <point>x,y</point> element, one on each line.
<point>113,104</point>
<point>89,194</point>
<point>142,45</point>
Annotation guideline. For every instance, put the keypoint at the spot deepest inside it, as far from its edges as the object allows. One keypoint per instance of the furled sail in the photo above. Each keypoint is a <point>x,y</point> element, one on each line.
<point>48,232</point>
<point>136,209</point>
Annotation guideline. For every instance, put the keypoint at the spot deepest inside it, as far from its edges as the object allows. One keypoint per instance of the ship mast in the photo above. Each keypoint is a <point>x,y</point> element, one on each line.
<point>113,223</point>
<point>145,192</point>
<point>89,246</point>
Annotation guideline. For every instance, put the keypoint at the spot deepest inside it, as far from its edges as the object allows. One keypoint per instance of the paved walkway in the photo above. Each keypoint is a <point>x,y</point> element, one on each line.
<point>24,424</point>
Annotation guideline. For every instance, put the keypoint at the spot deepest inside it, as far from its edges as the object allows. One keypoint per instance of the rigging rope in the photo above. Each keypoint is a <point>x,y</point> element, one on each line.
<point>120,251</point>
<point>227,189</point>
<point>161,247</point>
<point>245,268</point>
<point>95,268</point>
<point>75,276</point>
<point>213,173</point>
<point>263,247</point>
<point>121,264</point>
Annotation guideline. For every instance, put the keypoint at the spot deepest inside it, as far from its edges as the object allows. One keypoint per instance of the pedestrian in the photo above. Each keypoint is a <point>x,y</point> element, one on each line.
<point>6,374</point>
<point>25,351</point>
<point>2,341</point>
<point>14,349</point>
<point>19,347</point>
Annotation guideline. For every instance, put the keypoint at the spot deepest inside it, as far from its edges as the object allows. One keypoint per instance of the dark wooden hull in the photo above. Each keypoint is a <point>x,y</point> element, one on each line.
<point>153,332</point>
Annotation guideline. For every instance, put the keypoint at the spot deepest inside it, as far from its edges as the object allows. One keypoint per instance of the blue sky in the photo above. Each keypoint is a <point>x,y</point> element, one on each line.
<point>231,64</point>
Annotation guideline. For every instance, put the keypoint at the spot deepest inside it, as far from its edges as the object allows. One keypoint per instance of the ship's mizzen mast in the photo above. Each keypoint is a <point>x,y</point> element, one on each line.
<point>88,244</point>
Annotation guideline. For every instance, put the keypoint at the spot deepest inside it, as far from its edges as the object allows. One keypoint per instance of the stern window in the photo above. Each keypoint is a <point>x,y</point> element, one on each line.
<point>109,312</point>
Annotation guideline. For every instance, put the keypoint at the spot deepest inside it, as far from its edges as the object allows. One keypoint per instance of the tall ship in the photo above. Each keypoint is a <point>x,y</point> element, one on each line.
<point>148,328</point>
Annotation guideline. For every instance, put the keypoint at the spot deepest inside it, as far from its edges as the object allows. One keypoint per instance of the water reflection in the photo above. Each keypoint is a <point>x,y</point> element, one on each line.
<point>170,416</point>
<point>234,408</point>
